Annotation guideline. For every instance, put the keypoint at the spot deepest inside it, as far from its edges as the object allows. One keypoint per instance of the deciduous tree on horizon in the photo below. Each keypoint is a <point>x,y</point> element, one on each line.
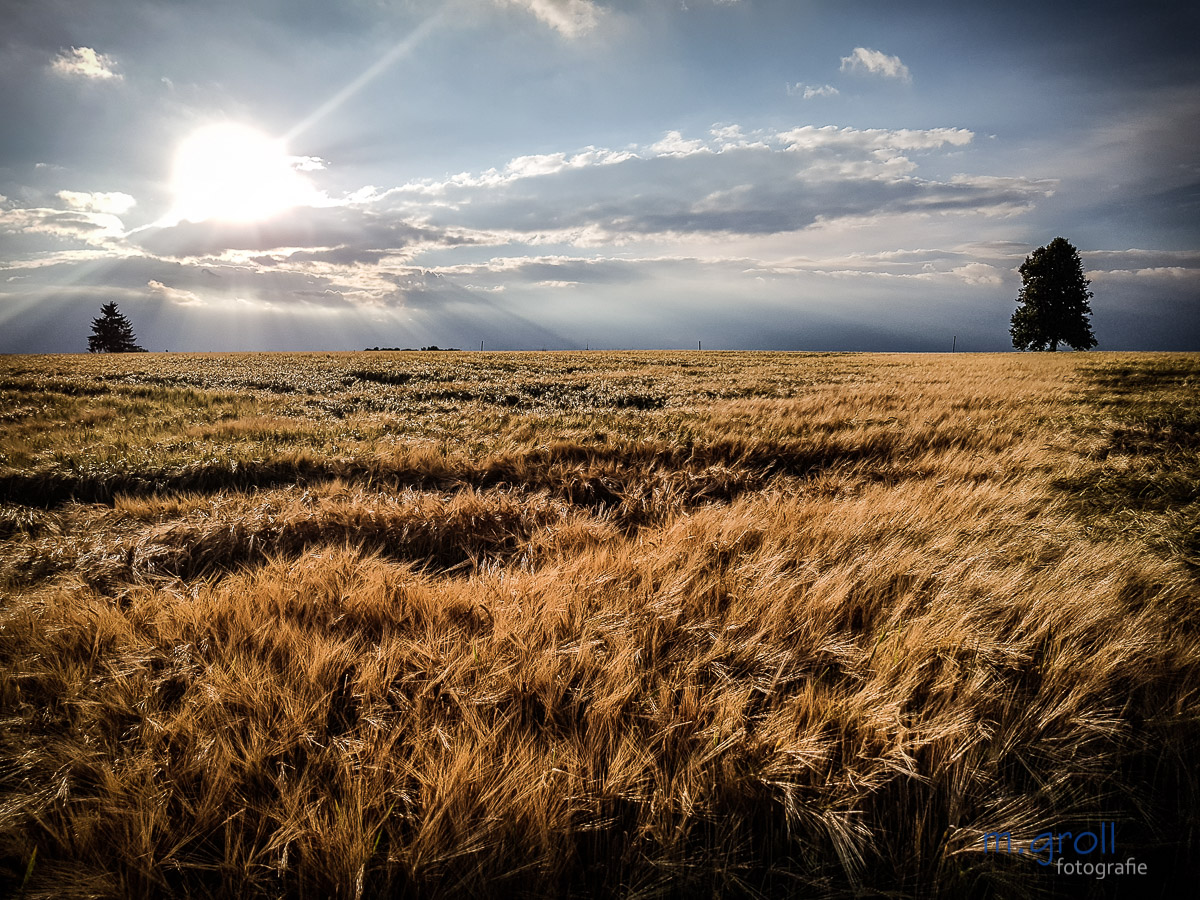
<point>1054,301</point>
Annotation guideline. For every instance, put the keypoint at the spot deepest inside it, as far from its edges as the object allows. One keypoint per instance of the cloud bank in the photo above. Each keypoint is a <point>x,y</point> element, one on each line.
<point>727,182</point>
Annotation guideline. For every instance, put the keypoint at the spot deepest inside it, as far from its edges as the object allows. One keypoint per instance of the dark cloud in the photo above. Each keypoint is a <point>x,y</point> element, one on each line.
<point>1147,310</point>
<point>347,234</point>
<point>211,284</point>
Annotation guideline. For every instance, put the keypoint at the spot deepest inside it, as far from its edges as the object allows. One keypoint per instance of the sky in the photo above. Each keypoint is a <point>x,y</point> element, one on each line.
<point>561,174</point>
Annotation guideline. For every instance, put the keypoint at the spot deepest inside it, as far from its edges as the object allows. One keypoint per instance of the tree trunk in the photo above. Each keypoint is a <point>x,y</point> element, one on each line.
<point>1053,346</point>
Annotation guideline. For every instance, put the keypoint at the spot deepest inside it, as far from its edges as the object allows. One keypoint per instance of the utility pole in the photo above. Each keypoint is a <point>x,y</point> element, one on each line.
<point>698,347</point>
<point>481,346</point>
<point>954,343</point>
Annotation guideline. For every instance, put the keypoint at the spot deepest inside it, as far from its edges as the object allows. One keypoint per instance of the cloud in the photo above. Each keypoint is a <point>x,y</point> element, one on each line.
<point>970,264</point>
<point>708,214</point>
<point>729,182</point>
<point>571,18</point>
<point>113,202</point>
<point>673,144</point>
<point>84,62</point>
<point>77,227</point>
<point>352,234</point>
<point>500,272</point>
<point>875,140</point>
<point>190,284</point>
<point>863,60</point>
<point>1159,272</point>
<point>174,295</point>
<point>809,92</point>
<point>307,163</point>
<point>1136,260</point>
<point>979,274</point>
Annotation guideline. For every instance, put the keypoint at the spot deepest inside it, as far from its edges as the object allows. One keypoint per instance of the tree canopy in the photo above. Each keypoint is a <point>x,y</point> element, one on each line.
<point>112,332</point>
<point>1053,301</point>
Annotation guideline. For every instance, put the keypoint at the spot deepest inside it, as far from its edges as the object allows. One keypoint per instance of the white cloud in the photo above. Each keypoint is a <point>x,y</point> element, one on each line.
<point>548,164</point>
<point>113,202</point>
<point>707,213</point>
<point>979,274</point>
<point>728,183</point>
<point>307,163</point>
<point>539,164</point>
<point>809,91</point>
<point>673,144</point>
<point>863,60</point>
<point>176,295</point>
<point>591,156</point>
<point>571,18</point>
<point>1160,274</point>
<point>1138,260</point>
<point>809,137</point>
<point>972,265</point>
<point>760,190</point>
<point>70,226</point>
<point>84,62</point>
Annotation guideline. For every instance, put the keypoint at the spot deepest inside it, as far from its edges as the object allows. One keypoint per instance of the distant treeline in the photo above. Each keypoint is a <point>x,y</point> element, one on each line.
<point>413,349</point>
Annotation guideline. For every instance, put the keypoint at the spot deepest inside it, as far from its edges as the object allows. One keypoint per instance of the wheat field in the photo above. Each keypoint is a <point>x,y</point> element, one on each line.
<point>595,624</point>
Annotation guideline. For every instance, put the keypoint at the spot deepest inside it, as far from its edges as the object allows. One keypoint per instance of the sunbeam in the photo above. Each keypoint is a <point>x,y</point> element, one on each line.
<point>385,62</point>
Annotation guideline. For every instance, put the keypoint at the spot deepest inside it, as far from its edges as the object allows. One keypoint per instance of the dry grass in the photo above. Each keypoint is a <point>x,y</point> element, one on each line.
<point>439,625</point>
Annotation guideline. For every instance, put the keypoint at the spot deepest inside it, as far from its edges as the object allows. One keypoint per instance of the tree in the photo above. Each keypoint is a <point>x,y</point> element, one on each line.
<point>1054,301</point>
<point>112,332</point>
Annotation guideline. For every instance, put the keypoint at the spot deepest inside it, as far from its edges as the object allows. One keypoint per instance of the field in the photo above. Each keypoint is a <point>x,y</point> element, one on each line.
<point>604,624</point>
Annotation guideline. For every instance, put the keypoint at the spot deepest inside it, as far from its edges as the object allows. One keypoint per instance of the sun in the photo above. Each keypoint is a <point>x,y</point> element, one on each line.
<point>235,173</point>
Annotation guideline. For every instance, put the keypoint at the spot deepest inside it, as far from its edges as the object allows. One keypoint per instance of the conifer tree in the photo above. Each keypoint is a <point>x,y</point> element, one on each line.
<point>112,332</point>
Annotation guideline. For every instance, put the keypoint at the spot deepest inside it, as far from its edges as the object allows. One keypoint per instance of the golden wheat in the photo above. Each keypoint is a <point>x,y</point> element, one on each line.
<point>610,624</point>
